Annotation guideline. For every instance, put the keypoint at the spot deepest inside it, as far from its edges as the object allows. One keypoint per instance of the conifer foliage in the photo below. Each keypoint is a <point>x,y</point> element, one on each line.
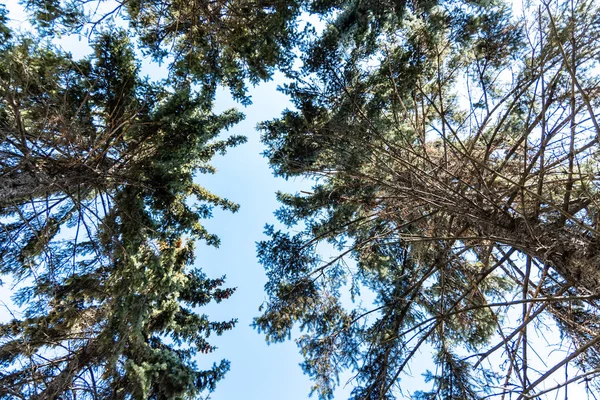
<point>454,148</point>
<point>99,216</point>
<point>228,42</point>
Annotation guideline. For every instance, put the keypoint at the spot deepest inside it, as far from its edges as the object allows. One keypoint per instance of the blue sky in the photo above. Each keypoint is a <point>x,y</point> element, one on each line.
<point>257,370</point>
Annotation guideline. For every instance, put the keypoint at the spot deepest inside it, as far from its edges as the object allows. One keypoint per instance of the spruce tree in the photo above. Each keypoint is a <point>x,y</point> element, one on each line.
<point>99,216</point>
<point>453,147</point>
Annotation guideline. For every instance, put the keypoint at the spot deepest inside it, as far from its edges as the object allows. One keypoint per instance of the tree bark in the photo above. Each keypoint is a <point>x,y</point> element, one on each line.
<point>18,187</point>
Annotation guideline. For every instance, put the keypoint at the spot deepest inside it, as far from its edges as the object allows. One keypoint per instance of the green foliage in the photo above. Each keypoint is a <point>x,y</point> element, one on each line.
<point>100,213</point>
<point>232,43</point>
<point>420,125</point>
<point>5,33</point>
<point>219,42</point>
<point>50,15</point>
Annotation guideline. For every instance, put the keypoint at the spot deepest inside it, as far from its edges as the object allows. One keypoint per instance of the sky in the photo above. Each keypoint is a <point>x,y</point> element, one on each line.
<point>258,370</point>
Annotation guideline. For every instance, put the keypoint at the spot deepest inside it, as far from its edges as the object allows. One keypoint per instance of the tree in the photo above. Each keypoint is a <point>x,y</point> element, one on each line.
<point>99,216</point>
<point>454,151</point>
<point>232,43</point>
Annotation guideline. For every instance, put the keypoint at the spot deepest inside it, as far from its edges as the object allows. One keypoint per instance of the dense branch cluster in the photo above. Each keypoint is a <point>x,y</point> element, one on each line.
<point>456,165</point>
<point>99,217</point>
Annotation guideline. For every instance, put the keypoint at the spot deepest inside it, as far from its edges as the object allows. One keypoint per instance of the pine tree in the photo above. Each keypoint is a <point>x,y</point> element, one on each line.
<point>454,152</point>
<point>99,216</point>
